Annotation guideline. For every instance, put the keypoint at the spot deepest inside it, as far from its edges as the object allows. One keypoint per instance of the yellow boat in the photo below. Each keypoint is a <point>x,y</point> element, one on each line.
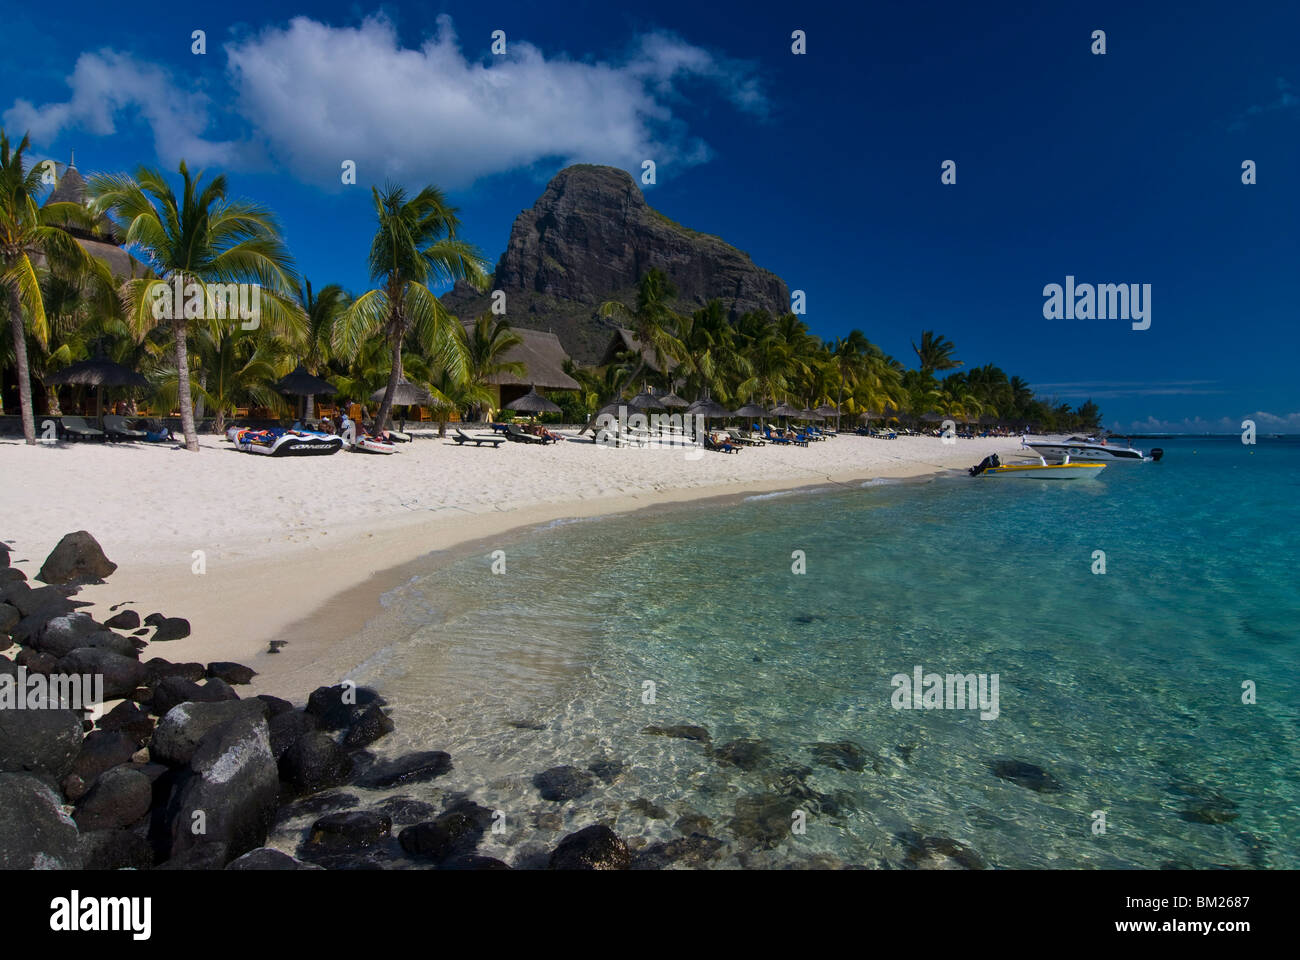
<point>1042,470</point>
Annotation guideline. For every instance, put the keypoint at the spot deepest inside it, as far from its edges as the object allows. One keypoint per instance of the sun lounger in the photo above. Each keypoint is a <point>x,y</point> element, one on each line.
<point>116,428</point>
<point>77,428</point>
<point>519,436</point>
<point>725,447</point>
<point>491,439</point>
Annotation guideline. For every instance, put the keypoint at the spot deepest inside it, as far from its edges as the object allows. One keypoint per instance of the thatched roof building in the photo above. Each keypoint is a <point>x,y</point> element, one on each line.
<point>103,240</point>
<point>543,358</point>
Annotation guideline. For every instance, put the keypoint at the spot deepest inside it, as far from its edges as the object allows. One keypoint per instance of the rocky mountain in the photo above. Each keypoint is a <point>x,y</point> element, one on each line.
<point>588,239</point>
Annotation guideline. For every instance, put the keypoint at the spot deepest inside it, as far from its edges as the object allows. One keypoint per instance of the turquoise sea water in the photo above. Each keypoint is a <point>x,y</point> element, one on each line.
<point>1125,688</point>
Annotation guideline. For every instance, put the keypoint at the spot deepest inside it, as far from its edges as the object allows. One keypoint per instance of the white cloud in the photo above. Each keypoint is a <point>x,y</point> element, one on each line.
<point>109,87</point>
<point>313,95</point>
<point>1264,423</point>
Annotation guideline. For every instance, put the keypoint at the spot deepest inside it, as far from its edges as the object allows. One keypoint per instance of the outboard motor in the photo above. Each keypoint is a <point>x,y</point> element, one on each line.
<point>1156,454</point>
<point>990,461</point>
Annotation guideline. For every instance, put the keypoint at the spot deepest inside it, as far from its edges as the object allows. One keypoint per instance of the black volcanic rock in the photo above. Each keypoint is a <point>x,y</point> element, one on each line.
<point>418,767</point>
<point>593,848</point>
<point>43,742</point>
<point>588,239</point>
<point>1025,774</point>
<point>313,762</point>
<point>77,558</point>
<point>563,783</point>
<point>34,831</point>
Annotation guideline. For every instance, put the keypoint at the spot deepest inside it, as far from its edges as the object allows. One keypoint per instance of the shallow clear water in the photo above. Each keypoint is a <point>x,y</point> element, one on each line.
<point>1125,687</point>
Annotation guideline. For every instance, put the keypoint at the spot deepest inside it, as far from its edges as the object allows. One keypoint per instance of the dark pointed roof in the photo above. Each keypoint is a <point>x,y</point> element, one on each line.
<point>72,188</point>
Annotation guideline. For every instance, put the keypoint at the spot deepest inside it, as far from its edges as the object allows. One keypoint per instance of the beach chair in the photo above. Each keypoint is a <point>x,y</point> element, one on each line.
<point>76,428</point>
<point>519,436</point>
<point>726,447</point>
<point>492,440</point>
<point>116,428</point>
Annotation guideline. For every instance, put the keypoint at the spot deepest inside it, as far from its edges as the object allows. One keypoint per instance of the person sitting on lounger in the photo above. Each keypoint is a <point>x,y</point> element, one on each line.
<point>162,435</point>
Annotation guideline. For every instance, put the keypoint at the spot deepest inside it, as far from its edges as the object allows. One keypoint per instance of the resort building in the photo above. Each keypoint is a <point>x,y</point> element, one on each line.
<point>103,240</point>
<point>543,358</point>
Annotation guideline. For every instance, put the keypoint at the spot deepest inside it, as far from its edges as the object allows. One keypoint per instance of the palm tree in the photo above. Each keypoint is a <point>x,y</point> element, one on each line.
<point>1021,396</point>
<point>199,239</point>
<point>241,367</point>
<point>452,393</point>
<point>710,361</point>
<point>849,356</point>
<point>29,237</point>
<point>322,311</point>
<point>415,244</point>
<point>935,353</point>
<point>652,320</point>
<point>486,343</point>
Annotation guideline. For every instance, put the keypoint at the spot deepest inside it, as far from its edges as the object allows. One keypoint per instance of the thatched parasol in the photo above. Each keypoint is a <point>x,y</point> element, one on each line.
<point>646,401</point>
<point>827,410</point>
<point>785,410</point>
<point>750,410</point>
<point>405,394</point>
<point>932,416</point>
<point>534,403</point>
<point>671,400</point>
<point>709,409</point>
<point>300,383</point>
<point>98,373</point>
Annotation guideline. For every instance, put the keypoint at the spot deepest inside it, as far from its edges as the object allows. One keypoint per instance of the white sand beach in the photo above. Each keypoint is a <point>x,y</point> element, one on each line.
<point>302,548</point>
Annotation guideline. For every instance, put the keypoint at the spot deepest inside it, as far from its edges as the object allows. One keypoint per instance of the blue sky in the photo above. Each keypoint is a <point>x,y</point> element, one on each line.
<point>825,168</point>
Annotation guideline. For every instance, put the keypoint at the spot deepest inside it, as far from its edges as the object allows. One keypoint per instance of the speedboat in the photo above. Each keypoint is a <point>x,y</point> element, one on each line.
<point>1094,449</point>
<point>992,466</point>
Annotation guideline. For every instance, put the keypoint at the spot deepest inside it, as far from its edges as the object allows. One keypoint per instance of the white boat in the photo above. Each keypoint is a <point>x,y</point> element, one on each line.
<point>993,466</point>
<point>1092,449</point>
<point>368,444</point>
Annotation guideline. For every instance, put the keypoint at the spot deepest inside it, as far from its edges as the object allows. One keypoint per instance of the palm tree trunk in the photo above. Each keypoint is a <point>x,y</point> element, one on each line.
<point>183,387</point>
<point>395,374</point>
<point>310,408</point>
<point>201,408</point>
<point>20,365</point>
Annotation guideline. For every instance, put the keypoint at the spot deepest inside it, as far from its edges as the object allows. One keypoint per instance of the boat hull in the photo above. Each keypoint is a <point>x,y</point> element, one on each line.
<point>371,445</point>
<point>1047,471</point>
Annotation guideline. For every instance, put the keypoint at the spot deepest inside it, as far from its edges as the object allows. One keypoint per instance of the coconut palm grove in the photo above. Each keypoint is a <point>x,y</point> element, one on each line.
<point>67,303</point>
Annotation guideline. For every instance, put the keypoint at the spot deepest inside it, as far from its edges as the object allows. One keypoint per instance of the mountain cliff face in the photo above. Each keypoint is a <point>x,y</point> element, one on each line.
<point>589,238</point>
